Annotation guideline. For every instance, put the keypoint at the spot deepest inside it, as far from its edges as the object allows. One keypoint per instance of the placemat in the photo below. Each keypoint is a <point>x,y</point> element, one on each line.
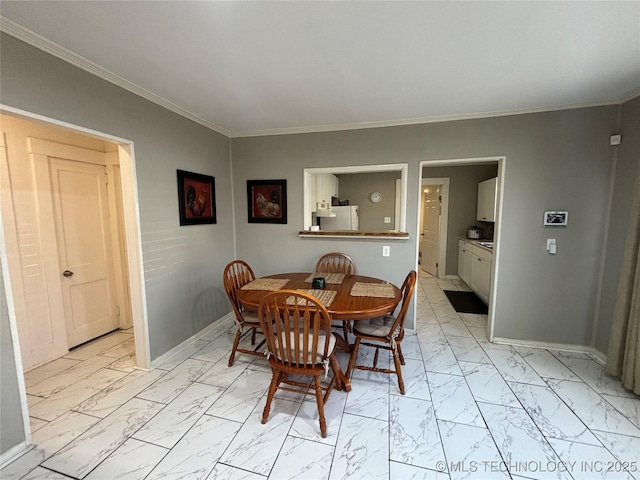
<point>325,296</point>
<point>335,278</point>
<point>381,290</point>
<point>272,284</point>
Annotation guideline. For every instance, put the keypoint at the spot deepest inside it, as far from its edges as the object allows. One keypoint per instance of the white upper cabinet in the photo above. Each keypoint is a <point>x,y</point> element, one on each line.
<point>487,194</point>
<point>327,187</point>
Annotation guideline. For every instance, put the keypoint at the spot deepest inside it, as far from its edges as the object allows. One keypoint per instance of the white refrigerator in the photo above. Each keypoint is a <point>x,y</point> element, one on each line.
<point>346,219</point>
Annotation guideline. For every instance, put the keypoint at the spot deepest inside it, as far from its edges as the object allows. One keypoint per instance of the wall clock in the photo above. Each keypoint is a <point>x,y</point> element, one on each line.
<point>376,197</point>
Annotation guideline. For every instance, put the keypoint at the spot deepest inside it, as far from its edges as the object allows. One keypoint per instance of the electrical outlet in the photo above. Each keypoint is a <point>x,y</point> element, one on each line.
<point>386,251</point>
<point>387,219</point>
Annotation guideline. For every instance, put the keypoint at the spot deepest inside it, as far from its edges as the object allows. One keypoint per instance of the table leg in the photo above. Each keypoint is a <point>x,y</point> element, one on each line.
<point>342,343</point>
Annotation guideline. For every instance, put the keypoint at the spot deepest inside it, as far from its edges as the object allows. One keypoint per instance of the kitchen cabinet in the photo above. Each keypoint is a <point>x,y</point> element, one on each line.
<point>464,261</point>
<point>487,194</point>
<point>474,268</point>
<point>326,187</point>
<point>480,277</point>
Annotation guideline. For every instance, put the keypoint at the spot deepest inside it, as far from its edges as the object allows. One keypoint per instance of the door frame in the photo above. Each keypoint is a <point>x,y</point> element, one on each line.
<point>495,264</point>
<point>132,233</point>
<point>444,220</point>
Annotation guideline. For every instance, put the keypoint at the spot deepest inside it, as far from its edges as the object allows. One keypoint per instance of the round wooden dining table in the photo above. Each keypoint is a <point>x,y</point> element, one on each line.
<point>344,306</point>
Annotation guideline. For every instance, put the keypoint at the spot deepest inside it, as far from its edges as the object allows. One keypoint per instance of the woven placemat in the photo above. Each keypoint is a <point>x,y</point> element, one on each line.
<point>325,296</point>
<point>381,290</point>
<point>334,278</point>
<point>272,284</point>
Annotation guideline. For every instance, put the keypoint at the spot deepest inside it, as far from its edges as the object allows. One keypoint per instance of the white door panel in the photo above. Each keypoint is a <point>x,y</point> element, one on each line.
<point>430,237</point>
<point>84,247</point>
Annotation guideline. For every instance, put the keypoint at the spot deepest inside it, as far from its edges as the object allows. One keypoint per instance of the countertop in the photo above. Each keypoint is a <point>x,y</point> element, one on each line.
<point>475,242</point>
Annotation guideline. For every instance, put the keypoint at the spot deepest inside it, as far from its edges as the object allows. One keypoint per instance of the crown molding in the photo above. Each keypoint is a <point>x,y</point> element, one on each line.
<point>42,43</point>
<point>21,33</point>
<point>630,95</point>
<point>414,121</point>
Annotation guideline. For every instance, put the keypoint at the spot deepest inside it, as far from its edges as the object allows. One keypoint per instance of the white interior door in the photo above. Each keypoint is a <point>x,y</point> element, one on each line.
<point>430,235</point>
<point>84,246</point>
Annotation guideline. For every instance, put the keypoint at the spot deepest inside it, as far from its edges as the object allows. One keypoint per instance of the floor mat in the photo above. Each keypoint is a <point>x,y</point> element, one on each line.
<point>466,302</point>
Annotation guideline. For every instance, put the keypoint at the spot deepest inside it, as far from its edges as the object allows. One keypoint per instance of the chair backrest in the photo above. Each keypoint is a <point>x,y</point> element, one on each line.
<point>407,291</point>
<point>297,328</point>
<point>236,274</point>
<point>336,262</point>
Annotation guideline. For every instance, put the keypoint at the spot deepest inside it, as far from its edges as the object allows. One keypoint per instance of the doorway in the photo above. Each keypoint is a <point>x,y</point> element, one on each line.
<point>64,175</point>
<point>434,214</point>
<point>463,176</point>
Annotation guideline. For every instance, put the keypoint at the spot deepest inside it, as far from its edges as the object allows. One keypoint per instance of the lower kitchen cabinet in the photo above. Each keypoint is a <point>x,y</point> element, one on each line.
<point>480,277</point>
<point>474,268</point>
<point>464,261</point>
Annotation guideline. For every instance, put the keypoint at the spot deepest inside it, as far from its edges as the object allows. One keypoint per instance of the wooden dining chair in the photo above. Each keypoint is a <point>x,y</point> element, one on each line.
<point>387,332</point>
<point>237,274</point>
<point>336,262</point>
<point>297,328</point>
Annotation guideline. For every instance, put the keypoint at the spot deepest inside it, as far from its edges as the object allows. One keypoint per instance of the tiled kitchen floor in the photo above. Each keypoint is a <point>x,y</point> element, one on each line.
<point>472,410</point>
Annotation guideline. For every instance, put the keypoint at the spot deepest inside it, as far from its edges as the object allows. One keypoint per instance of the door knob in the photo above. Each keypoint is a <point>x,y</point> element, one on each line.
<point>67,273</point>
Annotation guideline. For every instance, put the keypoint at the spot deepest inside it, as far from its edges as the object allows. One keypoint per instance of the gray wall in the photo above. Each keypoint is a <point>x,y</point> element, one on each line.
<point>463,202</point>
<point>183,265</point>
<point>11,412</point>
<point>357,188</point>
<point>626,174</point>
<point>555,160</point>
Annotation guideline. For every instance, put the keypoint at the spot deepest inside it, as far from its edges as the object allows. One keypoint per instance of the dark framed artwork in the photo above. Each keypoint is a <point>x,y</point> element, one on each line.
<point>196,198</point>
<point>267,201</point>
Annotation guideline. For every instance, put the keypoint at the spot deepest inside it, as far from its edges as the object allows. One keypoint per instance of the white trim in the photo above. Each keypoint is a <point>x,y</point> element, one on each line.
<point>354,237</point>
<point>46,45</point>
<point>415,121</point>
<point>224,322</point>
<point>130,204</point>
<point>13,453</point>
<point>597,355</point>
<point>13,327</point>
<point>233,202</point>
<point>403,168</point>
<point>630,95</point>
<point>501,160</point>
<point>444,218</point>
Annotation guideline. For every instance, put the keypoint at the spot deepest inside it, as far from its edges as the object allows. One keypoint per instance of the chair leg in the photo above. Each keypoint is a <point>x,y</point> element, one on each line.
<point>400,353</point>
<point>320,402</point>
<point>235,346</point>
<point>275,379</point>
<point>352,358</point>
<point>253,336</point>
<point>396,361</point>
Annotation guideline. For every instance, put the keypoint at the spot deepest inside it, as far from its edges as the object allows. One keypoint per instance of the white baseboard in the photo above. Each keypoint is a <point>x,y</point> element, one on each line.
<point>224,322</point>
<point>14,452</point>
<point>597,355</point>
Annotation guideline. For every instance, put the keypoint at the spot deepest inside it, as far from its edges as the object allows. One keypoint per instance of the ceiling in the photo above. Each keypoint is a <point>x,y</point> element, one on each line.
<point>255,68</point>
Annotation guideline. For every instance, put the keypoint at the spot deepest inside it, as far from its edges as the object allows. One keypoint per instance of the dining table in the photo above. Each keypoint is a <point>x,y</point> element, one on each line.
<point>356,297</point>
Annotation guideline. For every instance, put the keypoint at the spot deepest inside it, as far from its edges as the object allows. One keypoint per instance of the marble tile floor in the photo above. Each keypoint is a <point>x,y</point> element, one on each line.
<point>472,410</point>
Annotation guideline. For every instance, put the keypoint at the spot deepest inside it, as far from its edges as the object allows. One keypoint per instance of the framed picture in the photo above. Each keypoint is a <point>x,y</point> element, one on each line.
<point>554,219</point>
<point>196,198</point>
<point>267,201</point>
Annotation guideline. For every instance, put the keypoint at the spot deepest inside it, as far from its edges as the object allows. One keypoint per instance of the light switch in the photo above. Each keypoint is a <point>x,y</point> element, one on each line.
<point>386,251</point>
<point>387,219</point>
<point>551,246</point>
